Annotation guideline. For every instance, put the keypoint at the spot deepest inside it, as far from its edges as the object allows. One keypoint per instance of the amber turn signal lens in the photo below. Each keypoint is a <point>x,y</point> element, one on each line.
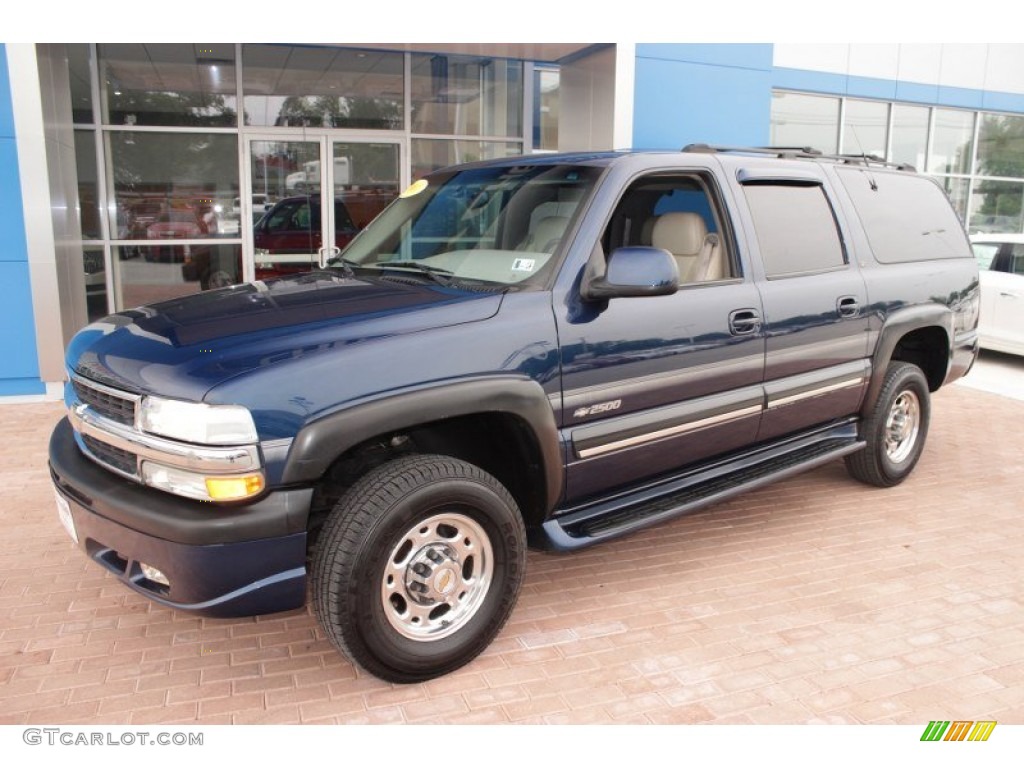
<point>228,488</point>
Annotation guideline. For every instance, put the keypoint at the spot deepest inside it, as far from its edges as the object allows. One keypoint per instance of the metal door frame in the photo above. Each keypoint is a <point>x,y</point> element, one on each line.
<point>326,137</point>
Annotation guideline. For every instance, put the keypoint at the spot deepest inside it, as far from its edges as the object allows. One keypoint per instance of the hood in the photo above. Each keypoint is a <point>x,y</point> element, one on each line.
<point>183,348</point>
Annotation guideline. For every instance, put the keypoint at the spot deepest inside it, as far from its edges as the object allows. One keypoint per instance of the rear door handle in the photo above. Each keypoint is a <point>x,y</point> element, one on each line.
<point>847,306</point>
<point>743,322</point>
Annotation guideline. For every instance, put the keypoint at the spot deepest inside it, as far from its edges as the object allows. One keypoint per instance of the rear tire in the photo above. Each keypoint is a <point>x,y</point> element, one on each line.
<point>418,567</point>
<point>895,430</point>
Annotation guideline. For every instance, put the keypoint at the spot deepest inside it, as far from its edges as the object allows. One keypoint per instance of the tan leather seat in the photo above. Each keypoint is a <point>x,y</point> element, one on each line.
<point>684,235</point>
<point>647,230</point>
<point>546,236</point>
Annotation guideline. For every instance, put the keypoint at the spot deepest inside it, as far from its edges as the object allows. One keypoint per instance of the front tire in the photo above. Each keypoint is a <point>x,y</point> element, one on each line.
<point>418,567</point>
<point>895,430</point>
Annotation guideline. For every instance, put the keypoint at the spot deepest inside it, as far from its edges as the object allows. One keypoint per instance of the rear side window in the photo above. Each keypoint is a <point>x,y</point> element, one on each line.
<point>796,229</point>
<point>1010,258</point>
<point>1017,267</point>
<point>906,218</point>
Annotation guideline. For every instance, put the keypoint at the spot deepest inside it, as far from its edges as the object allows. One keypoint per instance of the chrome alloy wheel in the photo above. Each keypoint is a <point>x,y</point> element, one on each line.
<point>437,577</point>
<point>902,426</point>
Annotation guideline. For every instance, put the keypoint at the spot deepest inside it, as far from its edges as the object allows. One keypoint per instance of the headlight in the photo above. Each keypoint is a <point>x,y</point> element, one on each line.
<point>197,422</point>
<point>203,487</point>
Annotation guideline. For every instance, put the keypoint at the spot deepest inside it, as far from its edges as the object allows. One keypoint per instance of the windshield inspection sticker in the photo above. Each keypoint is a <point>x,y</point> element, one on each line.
<point>523,265</point>
<point>414,189</point>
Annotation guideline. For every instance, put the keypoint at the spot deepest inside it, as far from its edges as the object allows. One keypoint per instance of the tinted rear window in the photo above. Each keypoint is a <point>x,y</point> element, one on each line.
<point>796,229</point>
<point>906,218</point>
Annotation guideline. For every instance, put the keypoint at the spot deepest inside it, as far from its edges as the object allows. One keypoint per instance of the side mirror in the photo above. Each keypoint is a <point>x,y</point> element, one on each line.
<point>633,271</point>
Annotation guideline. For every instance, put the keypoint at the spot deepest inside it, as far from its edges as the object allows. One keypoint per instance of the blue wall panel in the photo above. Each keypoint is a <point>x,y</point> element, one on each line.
<point>961,97</point>
<point>6,114</point>
<point>718,94</point>
<point>13,246</point>
<point>19,363</point>
<point>872,88</point>
<point>19,366</point>
<point>719,54</point>
<point>808,80</point>
<point>1003,102</point>
<point>919,92</point>
<point>899,90</point>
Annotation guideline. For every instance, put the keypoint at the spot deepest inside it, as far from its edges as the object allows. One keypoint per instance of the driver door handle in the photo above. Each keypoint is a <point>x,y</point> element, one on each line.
<point>743,322</point>
<point>847,306</point>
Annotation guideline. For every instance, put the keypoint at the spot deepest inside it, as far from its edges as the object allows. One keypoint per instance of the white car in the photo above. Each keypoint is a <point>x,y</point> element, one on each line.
<point>1001,261</point>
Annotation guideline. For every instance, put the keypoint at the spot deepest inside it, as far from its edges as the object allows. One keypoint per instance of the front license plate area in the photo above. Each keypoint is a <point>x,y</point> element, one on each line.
<point>66,519</point>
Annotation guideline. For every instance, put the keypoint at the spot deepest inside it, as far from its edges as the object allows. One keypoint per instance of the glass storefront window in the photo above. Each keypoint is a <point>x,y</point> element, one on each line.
<point>171,186</point>
<point>997,207</point>
<point>95,282</point>
<point>909,135</point>
<point>429,155</point>
<point>314,86</point>
<point>865,125</point>
<point>545,108</point>
<point>169,84</point>
<point>1001,146</point>
<point>798,120</point>
<point>157,273</point>
<point>368,179</point>
<point>88,189</point>
<point>463,95</point>
<point>952,142</point>
<point>80,80</point>
<point>956,190</point>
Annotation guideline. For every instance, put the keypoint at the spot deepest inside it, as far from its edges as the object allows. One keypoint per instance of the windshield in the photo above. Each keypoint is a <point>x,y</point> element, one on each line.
<point>499,225</point>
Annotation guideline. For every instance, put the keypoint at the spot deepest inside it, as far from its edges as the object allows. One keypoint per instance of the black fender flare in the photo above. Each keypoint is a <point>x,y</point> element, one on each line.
<point>896,326</point>
<point>319,443</point>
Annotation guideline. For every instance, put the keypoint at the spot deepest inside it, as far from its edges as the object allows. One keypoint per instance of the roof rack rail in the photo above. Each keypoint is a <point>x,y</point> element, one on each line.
<point>873,159</point>
<point>780,152</point>
<point>809,153</point>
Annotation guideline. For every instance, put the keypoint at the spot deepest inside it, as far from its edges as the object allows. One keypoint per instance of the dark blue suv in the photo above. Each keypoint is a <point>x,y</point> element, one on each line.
<point>547,350</point>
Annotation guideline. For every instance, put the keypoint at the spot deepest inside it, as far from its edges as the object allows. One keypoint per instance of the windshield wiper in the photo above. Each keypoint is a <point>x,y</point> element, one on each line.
<point>340,262</point>
<point>440,275</point>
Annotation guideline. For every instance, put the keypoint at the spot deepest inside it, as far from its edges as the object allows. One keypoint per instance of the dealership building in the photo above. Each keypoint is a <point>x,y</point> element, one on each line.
<point>132,173</point>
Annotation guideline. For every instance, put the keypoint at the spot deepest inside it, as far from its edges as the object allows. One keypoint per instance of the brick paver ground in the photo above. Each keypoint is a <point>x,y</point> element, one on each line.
<point>815,600</point>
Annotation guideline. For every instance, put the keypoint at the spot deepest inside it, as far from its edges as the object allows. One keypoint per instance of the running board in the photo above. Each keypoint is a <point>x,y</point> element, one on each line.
<point>606,519</point>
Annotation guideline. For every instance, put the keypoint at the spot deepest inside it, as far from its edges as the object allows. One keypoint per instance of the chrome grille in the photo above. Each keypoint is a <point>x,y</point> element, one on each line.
<point>116,458</point>
<point>105,401</point>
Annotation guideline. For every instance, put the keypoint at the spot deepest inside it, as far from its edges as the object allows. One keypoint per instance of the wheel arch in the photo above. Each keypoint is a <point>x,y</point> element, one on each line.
<point>498,423</point>
<point>920,335</point>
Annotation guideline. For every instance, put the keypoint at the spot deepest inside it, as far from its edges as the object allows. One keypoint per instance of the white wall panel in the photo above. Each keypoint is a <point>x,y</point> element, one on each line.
<point>977,66</point>
<point>625,84</point>
<point>880,60</point>
<point>827,57</point>
<point>963,65</point>
<point>1004,70</point>
<point>920,63</point>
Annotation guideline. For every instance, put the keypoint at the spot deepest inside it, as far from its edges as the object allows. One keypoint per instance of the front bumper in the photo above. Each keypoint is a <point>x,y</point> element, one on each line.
<point>237,560</point>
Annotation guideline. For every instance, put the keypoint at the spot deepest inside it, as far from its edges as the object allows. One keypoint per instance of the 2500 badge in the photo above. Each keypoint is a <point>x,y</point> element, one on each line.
<point>594,410</point>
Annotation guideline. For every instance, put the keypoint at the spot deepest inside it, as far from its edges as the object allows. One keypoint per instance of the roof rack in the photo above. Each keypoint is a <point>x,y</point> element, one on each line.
<point>807,153</point>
